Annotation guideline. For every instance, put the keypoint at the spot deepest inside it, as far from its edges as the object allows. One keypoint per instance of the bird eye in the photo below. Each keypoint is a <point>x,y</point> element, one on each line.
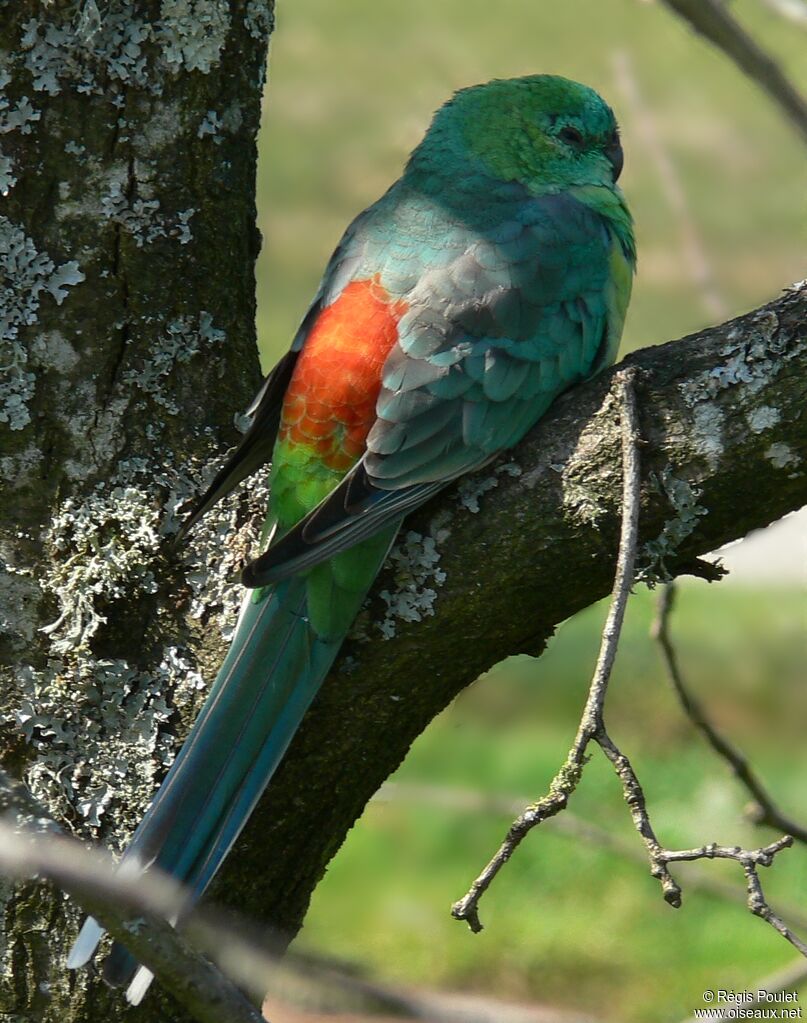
<point>570,135</point>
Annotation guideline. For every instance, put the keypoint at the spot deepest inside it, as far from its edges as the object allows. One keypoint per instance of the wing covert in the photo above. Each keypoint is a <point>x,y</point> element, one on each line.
<point>356,251</point>
<point>516,313</point>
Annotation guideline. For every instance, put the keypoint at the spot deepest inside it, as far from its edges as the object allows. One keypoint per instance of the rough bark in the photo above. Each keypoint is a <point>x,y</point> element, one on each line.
<point>127,248</point>
<point>119,394</point>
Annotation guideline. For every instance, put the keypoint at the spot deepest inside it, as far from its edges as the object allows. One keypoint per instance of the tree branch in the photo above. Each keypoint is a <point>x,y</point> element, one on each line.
<point>572,827</point>
<point>492,565</point>
<point>592,723</point>
<point>592,729</point>
<point>713,20</point>
<point>750,860</point>
<point>134,909</point>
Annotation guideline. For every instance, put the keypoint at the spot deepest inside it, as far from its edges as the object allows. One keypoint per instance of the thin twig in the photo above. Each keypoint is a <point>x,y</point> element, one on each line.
<point>591,727</point>
<point>750,860</point>
<point>32,844</point>
<point>693,252</point>
<point>713,19</point>
<point>763,810</point>
<point>572,827</point>
<point>91,877</point>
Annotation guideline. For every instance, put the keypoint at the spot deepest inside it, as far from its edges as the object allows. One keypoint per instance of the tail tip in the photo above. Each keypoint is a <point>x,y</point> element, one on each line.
<point>139,986</point>
<point>85,944</point>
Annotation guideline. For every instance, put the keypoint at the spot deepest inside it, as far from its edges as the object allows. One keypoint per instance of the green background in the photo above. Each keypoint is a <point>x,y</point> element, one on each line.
<point>351,89</point>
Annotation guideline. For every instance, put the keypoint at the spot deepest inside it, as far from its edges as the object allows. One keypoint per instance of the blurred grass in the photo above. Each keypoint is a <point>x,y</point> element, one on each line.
<point>568,923</point>
<point>351,89</point>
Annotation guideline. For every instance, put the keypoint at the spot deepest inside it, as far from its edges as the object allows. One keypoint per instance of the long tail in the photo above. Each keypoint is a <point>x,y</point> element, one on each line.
<point>275,665</point>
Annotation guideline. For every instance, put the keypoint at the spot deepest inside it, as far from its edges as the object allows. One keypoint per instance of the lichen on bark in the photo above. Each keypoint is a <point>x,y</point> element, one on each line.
<point>128,239</point>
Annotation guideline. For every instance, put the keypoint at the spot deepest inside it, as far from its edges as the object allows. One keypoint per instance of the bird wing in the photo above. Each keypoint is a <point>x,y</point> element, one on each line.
<point>355,250</point>
<point>518,310</point>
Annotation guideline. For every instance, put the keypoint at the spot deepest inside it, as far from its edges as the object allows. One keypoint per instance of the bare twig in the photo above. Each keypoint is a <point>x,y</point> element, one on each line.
<point>756,898</point>
<point>750,860</point>
<point>569,825</point>
<point>714,20</point>
<point>763,810</point>
<point>693,253</point>
<point>91,878</point>
<point>592,728</point>
<point>591,723</point>
<point>133,908</point>
<point>31,844</point>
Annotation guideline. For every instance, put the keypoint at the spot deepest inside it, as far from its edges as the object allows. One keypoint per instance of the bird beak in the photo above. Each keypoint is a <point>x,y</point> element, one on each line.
<point>615,157</point>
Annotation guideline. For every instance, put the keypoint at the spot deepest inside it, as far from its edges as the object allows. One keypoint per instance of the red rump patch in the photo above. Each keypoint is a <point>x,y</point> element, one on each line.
<point>329,406</point>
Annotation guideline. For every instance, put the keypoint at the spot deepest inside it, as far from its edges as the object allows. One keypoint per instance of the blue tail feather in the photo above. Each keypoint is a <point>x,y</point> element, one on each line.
<point>269,663</point>
<point>275,665</point>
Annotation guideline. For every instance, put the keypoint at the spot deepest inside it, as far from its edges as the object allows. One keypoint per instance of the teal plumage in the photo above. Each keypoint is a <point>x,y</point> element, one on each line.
<point>491,277</point>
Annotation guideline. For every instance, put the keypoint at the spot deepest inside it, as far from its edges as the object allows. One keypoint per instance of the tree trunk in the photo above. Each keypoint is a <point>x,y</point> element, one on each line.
<point>130,240</point>
<point>127,243</point>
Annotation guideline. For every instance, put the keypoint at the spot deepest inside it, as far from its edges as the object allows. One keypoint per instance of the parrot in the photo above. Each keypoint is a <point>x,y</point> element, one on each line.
<point>492,276</point>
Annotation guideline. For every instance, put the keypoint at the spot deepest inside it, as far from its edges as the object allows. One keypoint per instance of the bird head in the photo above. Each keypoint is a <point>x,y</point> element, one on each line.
<point>542,130</point>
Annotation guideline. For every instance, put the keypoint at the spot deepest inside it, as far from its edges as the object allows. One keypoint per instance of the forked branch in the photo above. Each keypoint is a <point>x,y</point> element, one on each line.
<point>592,729</point>
<point>592,726</point>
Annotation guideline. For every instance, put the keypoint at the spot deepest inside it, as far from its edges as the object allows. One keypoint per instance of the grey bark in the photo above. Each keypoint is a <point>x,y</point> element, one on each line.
<point>129,333</point>
<point>127,247</point>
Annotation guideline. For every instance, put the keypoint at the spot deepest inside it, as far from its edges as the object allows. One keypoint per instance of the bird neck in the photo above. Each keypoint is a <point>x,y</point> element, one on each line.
<point>610,203</point>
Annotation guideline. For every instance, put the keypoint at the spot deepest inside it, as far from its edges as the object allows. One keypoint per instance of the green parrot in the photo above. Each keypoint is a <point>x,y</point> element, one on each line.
<point>492,276</point>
